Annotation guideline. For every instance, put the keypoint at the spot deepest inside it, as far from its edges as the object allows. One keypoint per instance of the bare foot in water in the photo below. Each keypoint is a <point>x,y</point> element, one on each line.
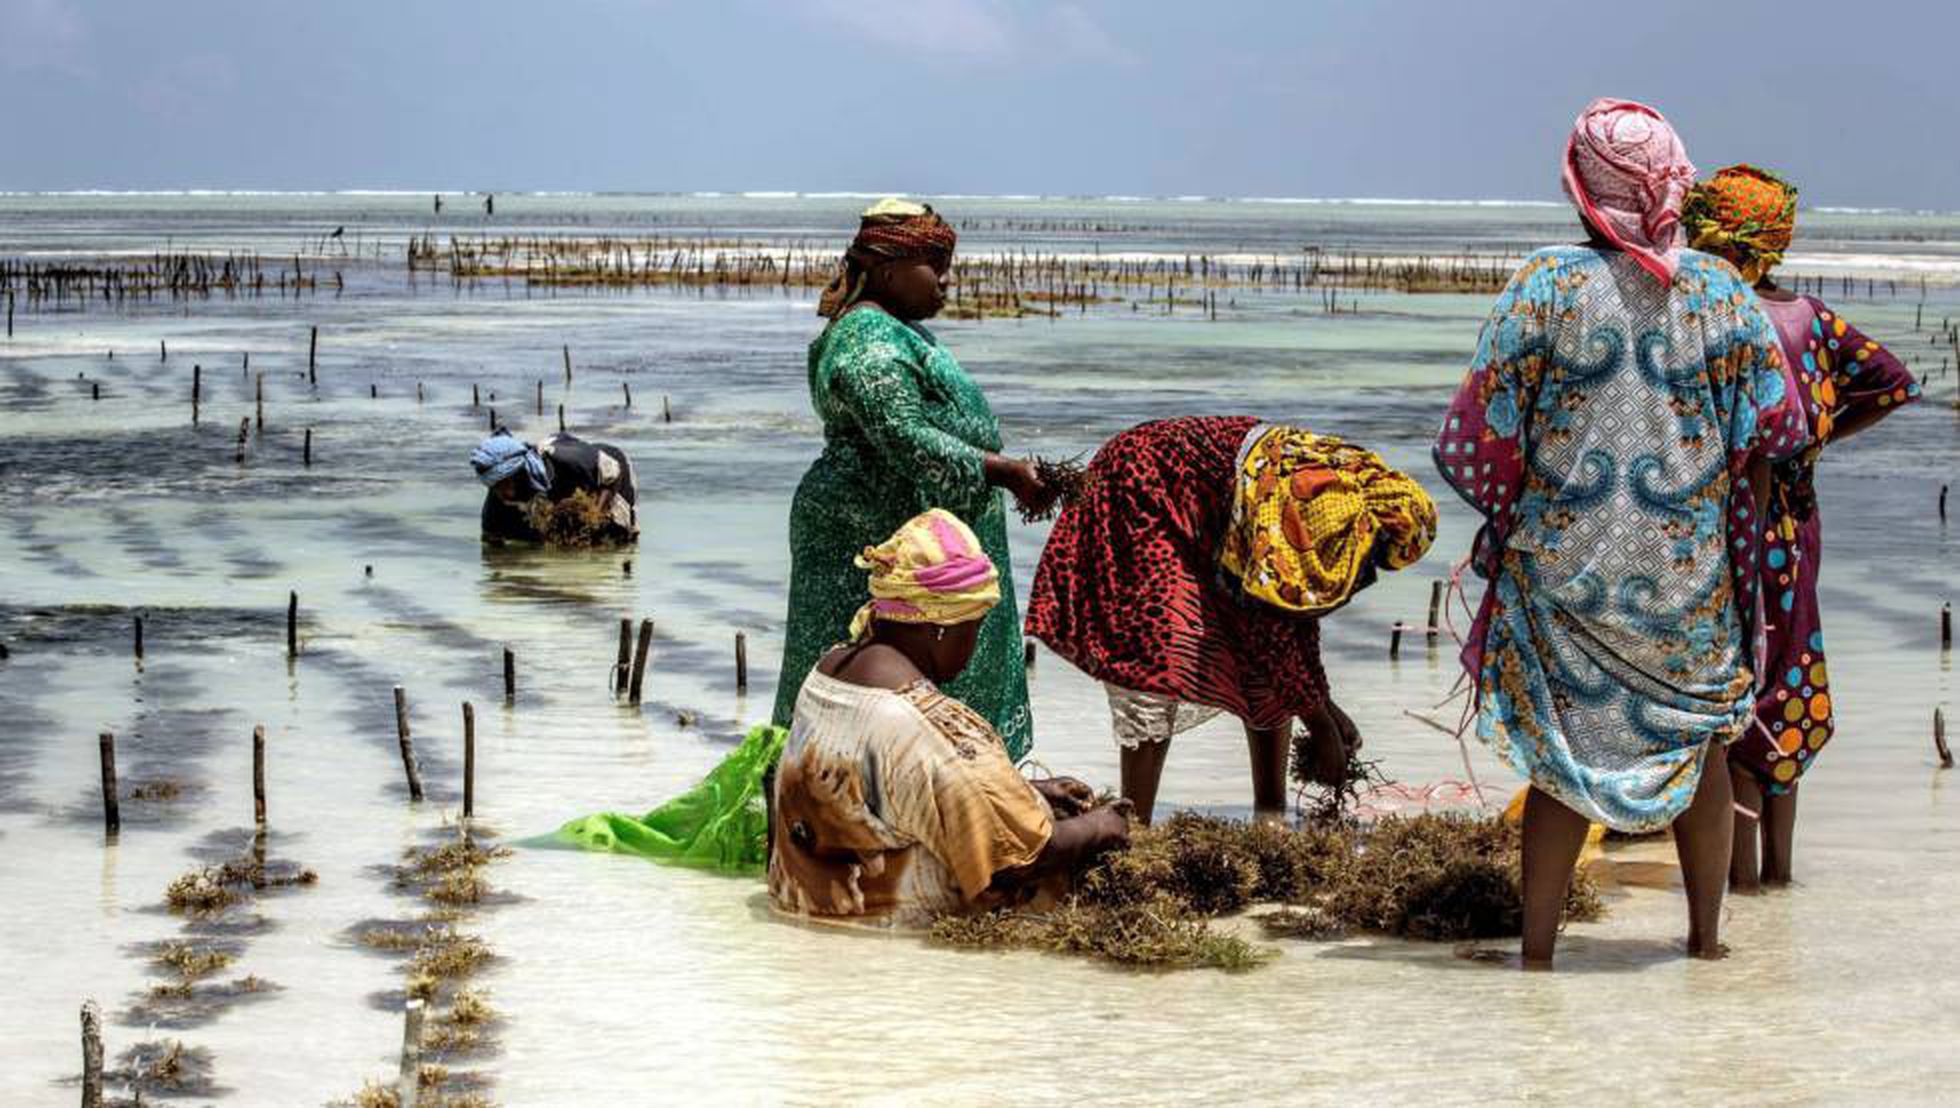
<point>1502,959</point>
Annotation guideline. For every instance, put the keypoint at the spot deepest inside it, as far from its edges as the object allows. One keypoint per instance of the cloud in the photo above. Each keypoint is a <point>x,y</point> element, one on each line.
<point>979,30</point>
<point>43,34</point>
<point>1079,37</point>
<point>959,28</point>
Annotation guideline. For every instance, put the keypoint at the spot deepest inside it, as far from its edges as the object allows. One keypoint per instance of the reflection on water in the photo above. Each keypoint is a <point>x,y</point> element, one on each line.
<point>629,982</point>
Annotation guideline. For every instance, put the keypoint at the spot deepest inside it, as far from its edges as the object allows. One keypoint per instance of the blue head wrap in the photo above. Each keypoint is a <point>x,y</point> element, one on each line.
<point>503,454</point>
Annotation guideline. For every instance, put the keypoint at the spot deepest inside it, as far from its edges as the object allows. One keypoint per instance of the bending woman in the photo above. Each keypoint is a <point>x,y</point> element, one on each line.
<point>1845,382</point>
<point>905,429</point>
<point>1190,576</point>
<point>1621,393</point>
<point>892,799</point>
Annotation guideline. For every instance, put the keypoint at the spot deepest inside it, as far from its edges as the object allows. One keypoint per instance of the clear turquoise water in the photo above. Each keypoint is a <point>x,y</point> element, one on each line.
<point>1838,990</point>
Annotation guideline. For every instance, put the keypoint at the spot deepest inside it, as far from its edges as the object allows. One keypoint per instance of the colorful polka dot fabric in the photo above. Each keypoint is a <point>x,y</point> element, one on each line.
<point>1836,371</point>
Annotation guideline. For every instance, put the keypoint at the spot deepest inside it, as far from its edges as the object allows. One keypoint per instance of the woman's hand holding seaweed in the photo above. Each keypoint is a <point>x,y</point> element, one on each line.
<point>1020,477</point>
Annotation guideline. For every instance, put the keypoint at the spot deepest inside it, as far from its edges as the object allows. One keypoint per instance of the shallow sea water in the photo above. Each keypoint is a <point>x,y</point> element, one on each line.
<point>625,982</point>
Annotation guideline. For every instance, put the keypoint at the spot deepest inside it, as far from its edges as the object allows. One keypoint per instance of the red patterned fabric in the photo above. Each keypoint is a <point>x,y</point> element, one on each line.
<point>1129,590</point>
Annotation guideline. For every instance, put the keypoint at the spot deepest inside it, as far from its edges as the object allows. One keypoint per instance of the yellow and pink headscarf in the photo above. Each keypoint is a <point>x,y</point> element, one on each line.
<point>931,571</point>
<point>1627,173</point>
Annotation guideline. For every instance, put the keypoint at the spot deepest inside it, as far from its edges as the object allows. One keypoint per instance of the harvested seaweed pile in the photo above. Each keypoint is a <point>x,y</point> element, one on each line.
<point>1430,876</point>
<point>577,522</point>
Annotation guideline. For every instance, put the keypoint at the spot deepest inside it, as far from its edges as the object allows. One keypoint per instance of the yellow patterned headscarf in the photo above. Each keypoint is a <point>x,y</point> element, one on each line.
<point>1313,516</point>
<point>1745,214</point>
<point>931,571</point>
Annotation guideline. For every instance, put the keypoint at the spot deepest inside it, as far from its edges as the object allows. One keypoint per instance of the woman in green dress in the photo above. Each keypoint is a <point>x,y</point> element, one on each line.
<point>905,429</point>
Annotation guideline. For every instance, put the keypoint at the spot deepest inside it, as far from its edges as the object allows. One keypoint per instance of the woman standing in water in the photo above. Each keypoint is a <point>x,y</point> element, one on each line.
<point>1845,382</point>
<point>1191,575</point>
<point>1622,393</point>
<point>905,429</point>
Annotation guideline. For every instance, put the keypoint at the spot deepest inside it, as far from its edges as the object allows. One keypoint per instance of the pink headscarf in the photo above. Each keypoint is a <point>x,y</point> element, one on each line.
<point>1627,173</point>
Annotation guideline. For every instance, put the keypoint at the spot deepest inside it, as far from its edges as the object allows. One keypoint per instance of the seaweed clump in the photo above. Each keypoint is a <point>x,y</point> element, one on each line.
<point>165,1067</point>
<point>1438,877</point>
<point>578,521</point>
<point>1071,480</point>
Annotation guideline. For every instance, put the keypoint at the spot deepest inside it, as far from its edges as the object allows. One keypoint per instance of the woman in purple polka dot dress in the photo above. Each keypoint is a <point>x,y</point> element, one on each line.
<point>1847,383</point>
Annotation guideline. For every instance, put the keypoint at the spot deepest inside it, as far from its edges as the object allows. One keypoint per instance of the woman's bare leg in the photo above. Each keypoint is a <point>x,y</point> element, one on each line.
<point>1745,868</point>
<point>1703,838</point>
<point>1143,768</point>
<point>1553,837</point>
<point>1779,836</point>
<point>1269,748</point>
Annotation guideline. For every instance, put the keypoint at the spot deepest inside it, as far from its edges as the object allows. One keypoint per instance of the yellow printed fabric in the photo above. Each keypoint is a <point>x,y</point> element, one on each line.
<point>1313,516</point>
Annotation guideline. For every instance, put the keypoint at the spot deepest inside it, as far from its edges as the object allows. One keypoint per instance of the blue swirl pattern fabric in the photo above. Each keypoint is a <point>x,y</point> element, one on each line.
<point>1604,431</point>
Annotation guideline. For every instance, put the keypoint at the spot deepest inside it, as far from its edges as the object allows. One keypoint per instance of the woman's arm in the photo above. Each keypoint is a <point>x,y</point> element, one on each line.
<point>877,383</point>
<point>1869,380</point>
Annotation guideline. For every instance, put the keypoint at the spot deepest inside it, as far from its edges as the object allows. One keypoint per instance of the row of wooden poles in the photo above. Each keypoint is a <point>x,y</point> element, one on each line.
<point>247,425</point>
<point>414,1010</point>
<point>1053,278</point>
<point>176,275</point>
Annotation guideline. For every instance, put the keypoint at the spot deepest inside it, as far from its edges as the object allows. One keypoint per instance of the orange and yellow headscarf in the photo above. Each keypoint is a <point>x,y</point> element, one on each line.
<point>1745,214</point>
<point>1313,516</point>
<point>931,571</point>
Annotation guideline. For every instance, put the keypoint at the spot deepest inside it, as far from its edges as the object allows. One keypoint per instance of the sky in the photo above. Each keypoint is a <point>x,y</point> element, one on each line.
<point>1858,103</point>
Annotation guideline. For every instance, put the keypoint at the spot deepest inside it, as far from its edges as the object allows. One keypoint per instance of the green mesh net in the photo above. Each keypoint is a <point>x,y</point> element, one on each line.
<point>720,824</point>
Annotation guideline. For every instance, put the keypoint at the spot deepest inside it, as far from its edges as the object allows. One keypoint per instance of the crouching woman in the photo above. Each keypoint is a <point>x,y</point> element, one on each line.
<point>895,802</point>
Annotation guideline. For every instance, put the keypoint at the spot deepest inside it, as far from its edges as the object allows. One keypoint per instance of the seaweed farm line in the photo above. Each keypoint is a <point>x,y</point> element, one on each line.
<point>290,577</point>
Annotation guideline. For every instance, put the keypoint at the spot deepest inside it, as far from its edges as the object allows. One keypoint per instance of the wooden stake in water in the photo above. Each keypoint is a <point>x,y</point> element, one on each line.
<point>476,397</point>
<point>1435,612</point>
<point>111,805</point>
<point>1939,739</point>
<point>627,389</point>
<point>197,390</point>
<point>741,661</point>
<point>1395,640</point>
<point>91,1048</point>
<point>259,400</point>
<point>1946,627</point>
<point>510,676</point>
<point>292,624</point>
<point>666,410</point>
<point>312,352</point>
<point>258,775</point>
<point>306,451</point>
<point>568,364</point>
<point>409,1084</point>
<point>139,639</point>
<point>1027,653</point>
<point>561,419</point>
<point>540,396</point>
<point>640,661</point>
<point>95,390</point>
<point>244,436</point>
<point>469,759</point>
<point>623,666</point>
<point>163,351</point>
<point>409,768</point>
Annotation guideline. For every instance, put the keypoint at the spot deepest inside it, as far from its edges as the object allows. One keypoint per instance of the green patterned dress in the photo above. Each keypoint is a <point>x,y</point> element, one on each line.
<point>905,430</point>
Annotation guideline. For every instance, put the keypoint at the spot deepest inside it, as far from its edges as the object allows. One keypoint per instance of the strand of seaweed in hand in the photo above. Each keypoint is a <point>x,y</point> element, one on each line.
<point>1325,805</point>
<point>1070,478</point>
